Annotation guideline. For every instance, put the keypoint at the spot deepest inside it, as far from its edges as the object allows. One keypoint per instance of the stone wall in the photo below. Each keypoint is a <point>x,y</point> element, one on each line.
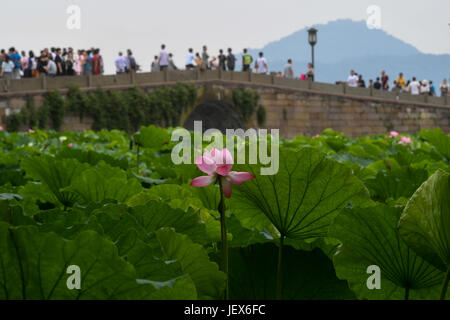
<point>295,107</point>
<point>308,114</point>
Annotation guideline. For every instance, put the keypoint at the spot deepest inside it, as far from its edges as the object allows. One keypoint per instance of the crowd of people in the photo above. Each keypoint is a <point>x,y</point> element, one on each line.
<point>224,61</point>
<point>52,62</point>
<point>400,84</point>
<point>55,62</point>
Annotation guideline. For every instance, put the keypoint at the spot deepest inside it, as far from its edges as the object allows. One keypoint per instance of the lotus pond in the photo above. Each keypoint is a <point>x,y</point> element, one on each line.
<point>105,215</point>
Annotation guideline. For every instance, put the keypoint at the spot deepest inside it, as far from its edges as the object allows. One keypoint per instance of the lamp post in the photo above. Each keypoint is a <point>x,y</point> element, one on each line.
<point>312,38</point>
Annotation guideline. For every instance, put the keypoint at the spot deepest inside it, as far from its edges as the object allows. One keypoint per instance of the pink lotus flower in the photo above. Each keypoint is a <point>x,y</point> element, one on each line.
<point>217,165</point>
<point>70,145</point>
<point>1,128</point>
<point>394,134</point>
<point>317,136</point>
<point>405,141</point>
<point>30,131</point>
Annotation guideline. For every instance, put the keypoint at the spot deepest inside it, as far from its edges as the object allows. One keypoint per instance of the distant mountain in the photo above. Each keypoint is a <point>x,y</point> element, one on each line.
<point>345,44</point>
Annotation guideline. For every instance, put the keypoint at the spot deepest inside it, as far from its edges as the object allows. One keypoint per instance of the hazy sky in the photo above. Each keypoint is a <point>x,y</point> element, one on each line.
<point>143,25</point>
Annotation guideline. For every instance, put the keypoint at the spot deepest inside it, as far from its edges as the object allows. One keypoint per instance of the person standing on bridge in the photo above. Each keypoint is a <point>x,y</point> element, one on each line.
<point>401,82</point>
<point>377,84</point>
<point>246,61</point>
<point>120,63</point>
<point>25,65</point>
<point>199,62</point>
<point>222,60</point>
<point>432,89</point>
<point>34,73</point>
<point>289,70</point>
<point>155,65</point>
<point>52,69</point>
<point>384,81</point>
<point>214,63</point>
<point>231,60</point>
<point>310,74</point>
<point>444,88</point>
<point>96,63</point>
<point>79,67</point>
<point>361,82</point>
<point>163,58</point>
<point>172,65</point>
<point>190,58</point>
<point>261,64</point>
<point>42,62</point>
<point>352,80</point>
<point>2,56</point>
<point>425,89</point>
<point>205,57</point>
<point>15,57</point>
<point>132,66</point>
<point>70,64</point>
<point>414,87</point>
<point>7,68</point>
<point>59,62</point>
<point>87,64</point>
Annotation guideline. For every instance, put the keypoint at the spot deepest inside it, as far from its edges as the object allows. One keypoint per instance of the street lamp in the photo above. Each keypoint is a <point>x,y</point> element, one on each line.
<point>312,38</point>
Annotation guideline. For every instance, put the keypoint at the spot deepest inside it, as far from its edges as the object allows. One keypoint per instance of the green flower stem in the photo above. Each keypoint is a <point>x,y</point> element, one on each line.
<point>280,269</point>
<point>406,293</point>
<point>224,249</point>
<point>137,159</point>
<point>445,285</point>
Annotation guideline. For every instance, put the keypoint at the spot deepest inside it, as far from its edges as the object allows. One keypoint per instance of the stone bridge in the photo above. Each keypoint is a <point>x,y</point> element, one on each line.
<point>293,106</point>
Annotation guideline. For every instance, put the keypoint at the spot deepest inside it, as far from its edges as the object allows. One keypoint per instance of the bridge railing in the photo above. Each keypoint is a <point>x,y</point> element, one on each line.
<point>28,85</point>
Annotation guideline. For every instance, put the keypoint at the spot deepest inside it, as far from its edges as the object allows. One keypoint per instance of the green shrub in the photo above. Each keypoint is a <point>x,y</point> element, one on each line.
<point>130,109</point>
<point>246,102</point>
<point>95,101</point>
<point>261,115</point>
<point>116,111</point>
<point>42,116</point>
<point>56,108</point>
<point>31,119</point>
<point>77,102</point>
<point>123,110</point>
<point>28,115</point>
<point>137,104</point>
<point>13,122</point>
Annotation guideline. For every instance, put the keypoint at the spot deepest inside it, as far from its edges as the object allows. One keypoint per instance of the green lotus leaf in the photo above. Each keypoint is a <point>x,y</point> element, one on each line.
<point>194,260</point>
<point>104,183</point>
<point>152,137</point>
<point>68,224</point>
<point>164,192</point>
<point>35,266</point>
<point>146,220</point>
<point>13,214</point>
<point>307,275</point>
<point>92,157</point>
<point>396,183</point>
<point>369,238</point>
<point>302,199</point>
<point>54,176</point>
<point>438,139</point>
<point>425,222</point>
